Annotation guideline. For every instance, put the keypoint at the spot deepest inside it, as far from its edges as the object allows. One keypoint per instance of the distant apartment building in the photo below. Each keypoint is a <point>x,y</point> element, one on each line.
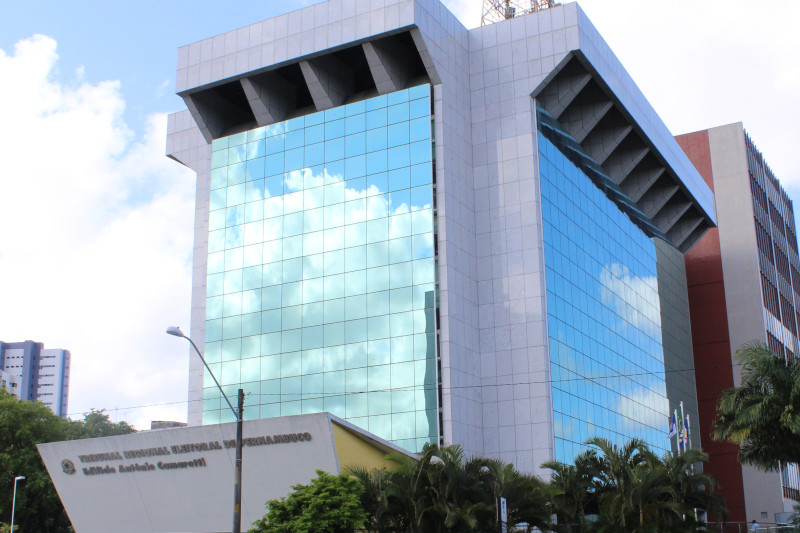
<point>744,285</point>
<point>33,373</point>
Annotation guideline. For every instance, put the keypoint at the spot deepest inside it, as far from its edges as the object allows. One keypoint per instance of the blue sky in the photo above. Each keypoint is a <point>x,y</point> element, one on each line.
<point>133,42</point>
<point>95,252</point>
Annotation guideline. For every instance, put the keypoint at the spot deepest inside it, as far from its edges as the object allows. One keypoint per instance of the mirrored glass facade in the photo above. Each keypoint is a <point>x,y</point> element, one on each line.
<point>604,319</point>
<point>321,270</point>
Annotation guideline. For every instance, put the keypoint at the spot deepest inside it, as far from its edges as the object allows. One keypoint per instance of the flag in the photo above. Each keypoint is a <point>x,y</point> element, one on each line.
<point>685,431</point>
<point>673,427</point>
<point>681,443</point>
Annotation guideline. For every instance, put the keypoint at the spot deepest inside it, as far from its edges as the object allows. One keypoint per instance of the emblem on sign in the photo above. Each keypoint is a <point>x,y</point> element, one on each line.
<point>68,466</point>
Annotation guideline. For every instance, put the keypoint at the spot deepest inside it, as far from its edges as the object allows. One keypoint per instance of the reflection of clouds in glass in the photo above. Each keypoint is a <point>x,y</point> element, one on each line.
<point>339,227</point>
<point>633,298</point>
<point>564,427</point>
<point>275,129</point>
<point>334,264</point>
<point>644,406</point>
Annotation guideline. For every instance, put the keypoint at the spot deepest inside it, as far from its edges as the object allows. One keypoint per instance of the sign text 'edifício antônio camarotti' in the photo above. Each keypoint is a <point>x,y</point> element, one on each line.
<point>159,455</point>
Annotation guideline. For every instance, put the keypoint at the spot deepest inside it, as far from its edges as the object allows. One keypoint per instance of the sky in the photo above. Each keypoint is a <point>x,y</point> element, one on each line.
<point>96,238</point>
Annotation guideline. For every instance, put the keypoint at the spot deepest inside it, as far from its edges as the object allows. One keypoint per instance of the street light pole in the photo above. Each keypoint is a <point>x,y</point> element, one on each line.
<point>237,473</point>
<point>14,501</point>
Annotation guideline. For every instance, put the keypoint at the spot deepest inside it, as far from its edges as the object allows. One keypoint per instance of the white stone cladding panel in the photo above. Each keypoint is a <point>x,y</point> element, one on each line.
<point>186,144</point>
<point>507,62</point>
<point>281,39</point>
<point>742,280</point>
<point>446,42</point>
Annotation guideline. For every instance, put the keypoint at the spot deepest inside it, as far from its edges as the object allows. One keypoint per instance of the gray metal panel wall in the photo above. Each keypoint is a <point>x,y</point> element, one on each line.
<point>676,333</point>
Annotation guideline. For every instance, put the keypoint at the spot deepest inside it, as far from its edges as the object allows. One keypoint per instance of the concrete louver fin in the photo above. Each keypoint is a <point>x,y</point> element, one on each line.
<point>271,98</point>
<point>640,181</point>
<point>329,81</point>
<point>672,211</point>
<point>212,113</point>
<point>579,107</point>
<point>684,228</point>
<point>601,143</point>
<point>656,198</point>
<point>425,56</point>
<point>389,64</point>
<point>622,162</point>
<point>567,87</point>
<point>580,120</point>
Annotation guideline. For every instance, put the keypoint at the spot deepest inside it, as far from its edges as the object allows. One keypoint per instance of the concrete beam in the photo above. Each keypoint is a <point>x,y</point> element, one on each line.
<point>580,120</point>
<point>684,228</point>
<point>210,120</point>
<point>389,64</point>
<point>602,142</point>
<point>329,81</point>
<point>620,163</point>
<point>671,213</point>
<point>656,198</point>
<point>566,87</point>
<point>427,60</point>
<point>271,98</point>
<point>639,182</point>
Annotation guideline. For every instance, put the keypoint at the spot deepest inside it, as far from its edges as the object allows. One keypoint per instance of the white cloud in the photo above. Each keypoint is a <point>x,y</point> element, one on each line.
<point>467,11</point>
<point>95,251</point>
<point>714,63</point>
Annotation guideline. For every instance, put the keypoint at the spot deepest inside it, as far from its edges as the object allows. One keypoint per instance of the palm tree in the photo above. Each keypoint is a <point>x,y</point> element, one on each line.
<point>762,415</point>
<point>651,497</point>
<point>452,487</point>
<point>695,490</point>
<point>615,477</point>
<point>639,492</point>
<point>445,492</point>
<point>527,496</point>
<point>383,517</point>
<point>406,488</point>
<point>574,489</point>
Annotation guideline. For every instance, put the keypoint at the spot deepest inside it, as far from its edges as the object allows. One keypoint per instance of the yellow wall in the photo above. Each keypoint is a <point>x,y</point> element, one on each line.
<point>352,450</point>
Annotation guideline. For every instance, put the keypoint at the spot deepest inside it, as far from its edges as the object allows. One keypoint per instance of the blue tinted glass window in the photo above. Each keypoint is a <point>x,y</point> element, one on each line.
<point>606,355</point>
<point>321,274</point>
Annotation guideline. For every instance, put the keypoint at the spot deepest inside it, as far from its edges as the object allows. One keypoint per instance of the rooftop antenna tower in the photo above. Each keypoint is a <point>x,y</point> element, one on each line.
<point>499,10</point>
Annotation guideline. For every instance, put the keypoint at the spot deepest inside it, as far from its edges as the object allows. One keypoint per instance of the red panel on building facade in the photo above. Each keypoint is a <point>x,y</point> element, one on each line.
<point>710,338</point>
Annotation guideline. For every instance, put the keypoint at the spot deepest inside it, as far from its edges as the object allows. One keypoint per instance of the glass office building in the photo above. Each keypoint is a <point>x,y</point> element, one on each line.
<point>604,317</point>
<point>381,232</point>
<point>321,272</point>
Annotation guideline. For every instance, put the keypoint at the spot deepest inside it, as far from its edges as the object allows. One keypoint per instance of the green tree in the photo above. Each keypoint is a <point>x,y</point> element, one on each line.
<point>575,489</point>
<point>407,490</point>
<point>23,425</point>
<point>762,415</point>
<point>96,423</point>
<point>652,500</point>
<point>329,504</point>
<point>694,488</point>
<point>527,496</point>
<point>443,491</point>
<point>383,517</point>
<point>631,490</point>
<point>616,477</point>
